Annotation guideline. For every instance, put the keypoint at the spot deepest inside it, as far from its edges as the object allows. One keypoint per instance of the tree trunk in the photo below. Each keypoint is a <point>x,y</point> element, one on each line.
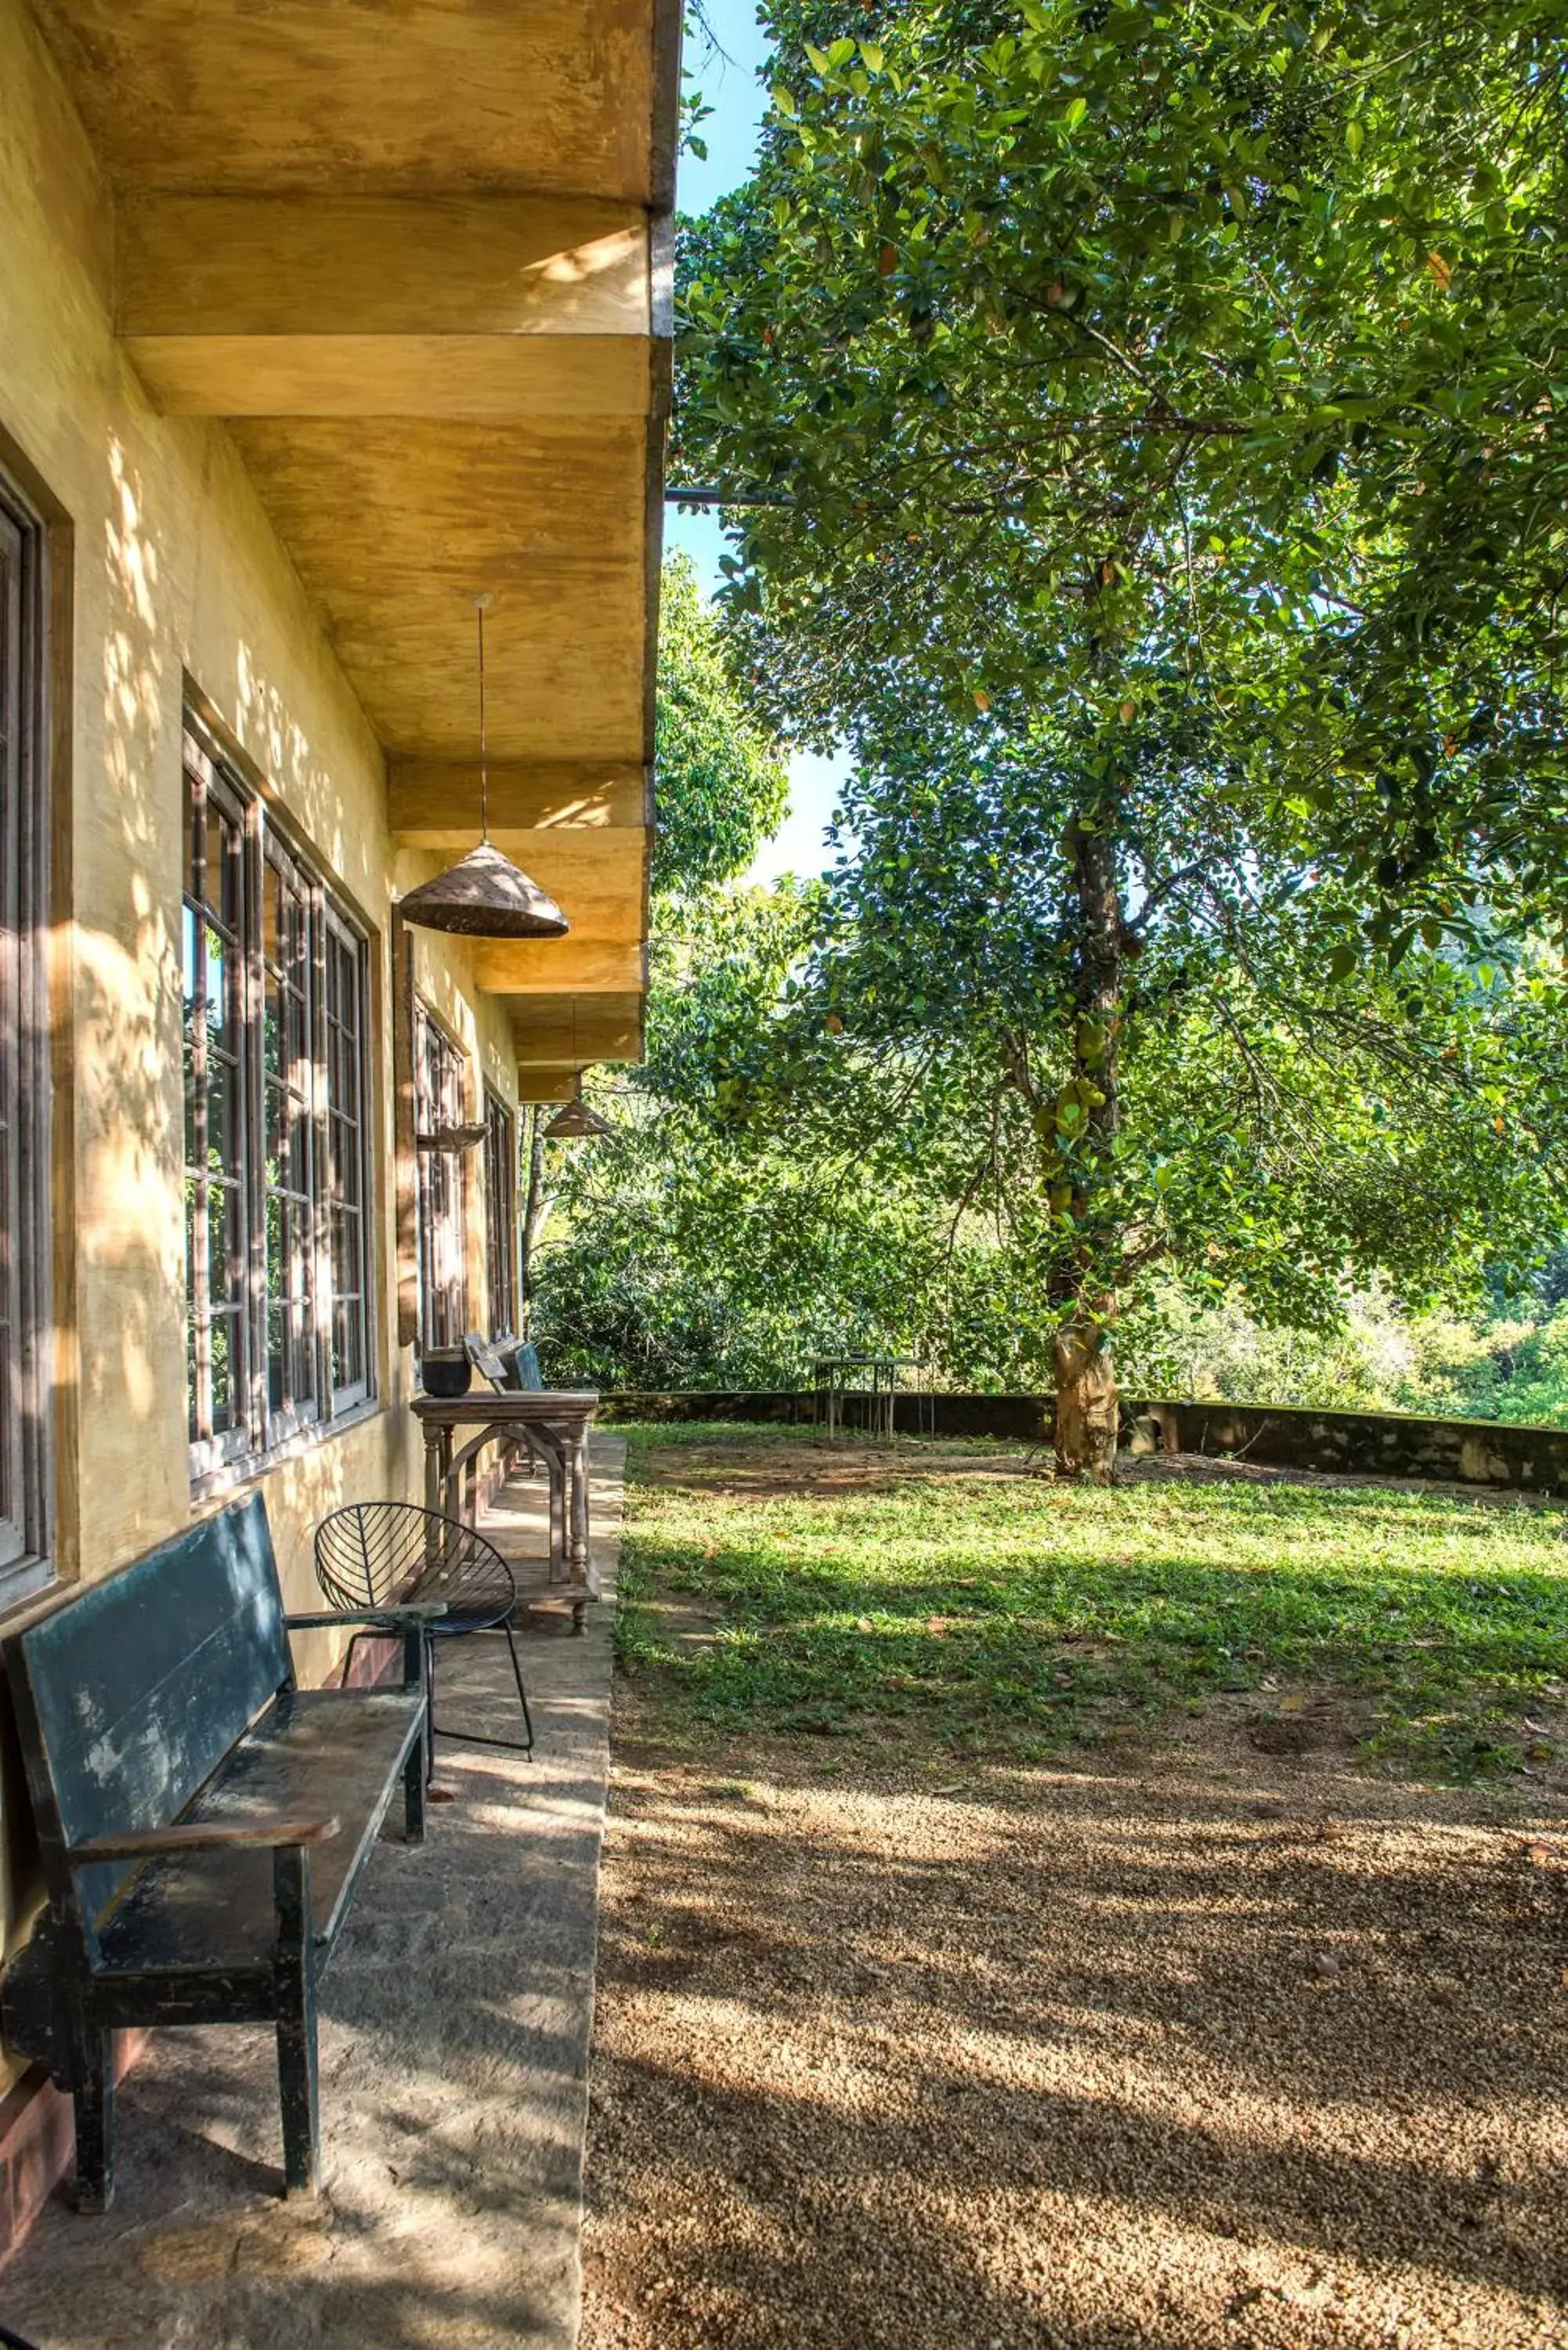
<point>533,1204</point>
<point>1087,1397</point>
<point>1087,1402</point>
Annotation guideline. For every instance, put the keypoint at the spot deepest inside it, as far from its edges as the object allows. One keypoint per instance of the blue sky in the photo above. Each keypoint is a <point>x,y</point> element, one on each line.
<point>727,77</point>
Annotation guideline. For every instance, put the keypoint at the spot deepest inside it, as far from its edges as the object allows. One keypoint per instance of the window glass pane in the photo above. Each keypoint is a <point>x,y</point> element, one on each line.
<point>227,1397</point>
<point>223,1244</point>
<point>345,1252</point>
<point>222,1154</point>
<point>276,1297</point>
<point>348,1360</point>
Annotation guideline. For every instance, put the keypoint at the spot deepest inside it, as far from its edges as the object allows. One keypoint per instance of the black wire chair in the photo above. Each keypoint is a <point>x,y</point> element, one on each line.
<point>379,1553</point>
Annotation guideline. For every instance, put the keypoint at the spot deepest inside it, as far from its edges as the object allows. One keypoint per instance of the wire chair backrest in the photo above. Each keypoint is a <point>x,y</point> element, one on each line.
<point>375,1553</point>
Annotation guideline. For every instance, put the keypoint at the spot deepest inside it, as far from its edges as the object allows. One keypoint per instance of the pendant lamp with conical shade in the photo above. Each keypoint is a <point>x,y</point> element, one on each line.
<point>575,1120</point>
<point>484,895</point>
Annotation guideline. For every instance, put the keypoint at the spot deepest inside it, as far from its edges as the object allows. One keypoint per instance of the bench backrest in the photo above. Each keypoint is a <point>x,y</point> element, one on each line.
<point>129,1696</point>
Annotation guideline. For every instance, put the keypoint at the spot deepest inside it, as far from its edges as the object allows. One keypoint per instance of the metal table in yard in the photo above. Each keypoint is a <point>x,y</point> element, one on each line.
<point>874,1379</point>
<point>557,1422</point>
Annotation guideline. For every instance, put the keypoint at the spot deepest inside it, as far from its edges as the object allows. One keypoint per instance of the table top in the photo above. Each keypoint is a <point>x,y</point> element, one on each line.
<point>523,1404</point>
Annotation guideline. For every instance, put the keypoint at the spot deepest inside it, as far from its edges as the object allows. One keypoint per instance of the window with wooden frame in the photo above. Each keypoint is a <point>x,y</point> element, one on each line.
<point>277,1168</point>
<point>25,1219</point>
<point>440,1102</point>
<point>500,1213</point>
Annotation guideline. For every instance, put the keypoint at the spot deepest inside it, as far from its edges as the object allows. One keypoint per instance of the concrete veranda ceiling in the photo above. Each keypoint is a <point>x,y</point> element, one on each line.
<point>416,255</point>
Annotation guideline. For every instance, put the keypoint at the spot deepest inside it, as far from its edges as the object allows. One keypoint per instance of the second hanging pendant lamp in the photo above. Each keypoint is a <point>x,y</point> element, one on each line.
<point>484,895</point>
<point>576,1120</point>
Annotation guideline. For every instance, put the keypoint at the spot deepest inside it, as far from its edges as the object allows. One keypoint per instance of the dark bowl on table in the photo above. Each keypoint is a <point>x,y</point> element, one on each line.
<point>447,1376</point>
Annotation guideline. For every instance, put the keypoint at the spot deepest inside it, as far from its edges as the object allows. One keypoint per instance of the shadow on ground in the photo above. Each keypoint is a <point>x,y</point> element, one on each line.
<point>1199,2046</point>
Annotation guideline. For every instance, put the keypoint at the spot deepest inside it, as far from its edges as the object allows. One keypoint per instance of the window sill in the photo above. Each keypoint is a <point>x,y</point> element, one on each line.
<point>212,1484</point>
<point>24,1584</point>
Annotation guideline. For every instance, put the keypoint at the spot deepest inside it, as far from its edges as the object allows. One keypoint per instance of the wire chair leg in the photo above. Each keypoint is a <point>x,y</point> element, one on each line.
<point>478,1738</point>
<point>522,1692</point>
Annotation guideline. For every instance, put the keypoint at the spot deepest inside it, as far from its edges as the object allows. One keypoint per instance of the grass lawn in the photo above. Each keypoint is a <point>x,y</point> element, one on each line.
<point>944,1593</point>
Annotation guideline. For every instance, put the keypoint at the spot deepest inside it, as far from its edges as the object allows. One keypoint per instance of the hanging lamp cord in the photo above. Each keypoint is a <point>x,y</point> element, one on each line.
<point>481,605</point>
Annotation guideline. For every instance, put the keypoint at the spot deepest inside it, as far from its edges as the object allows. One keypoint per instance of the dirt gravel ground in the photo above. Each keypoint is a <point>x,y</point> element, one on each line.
<point>1192,2045</point>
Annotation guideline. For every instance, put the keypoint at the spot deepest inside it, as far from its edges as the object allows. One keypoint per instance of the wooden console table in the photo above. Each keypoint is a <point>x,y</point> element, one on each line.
<point>557,1422</point>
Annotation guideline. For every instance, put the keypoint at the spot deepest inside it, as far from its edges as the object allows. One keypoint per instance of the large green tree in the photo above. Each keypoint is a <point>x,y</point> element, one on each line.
<point>1152,407</point>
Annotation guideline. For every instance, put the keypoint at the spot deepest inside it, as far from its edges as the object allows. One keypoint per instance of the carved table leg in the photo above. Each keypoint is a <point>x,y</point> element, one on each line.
<point>432,1466</point>
<point>579,1490</point>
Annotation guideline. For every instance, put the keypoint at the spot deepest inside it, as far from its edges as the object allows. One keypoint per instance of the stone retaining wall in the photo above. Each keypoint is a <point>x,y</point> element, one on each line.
<point>1276,1436</point>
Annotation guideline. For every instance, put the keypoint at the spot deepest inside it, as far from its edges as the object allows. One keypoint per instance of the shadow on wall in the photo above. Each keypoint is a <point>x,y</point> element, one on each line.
<point>126,1199</point>
<point>316,802</point>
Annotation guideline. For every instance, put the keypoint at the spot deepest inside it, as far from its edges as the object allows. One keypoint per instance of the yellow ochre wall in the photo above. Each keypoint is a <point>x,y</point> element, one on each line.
<point>177,571</point>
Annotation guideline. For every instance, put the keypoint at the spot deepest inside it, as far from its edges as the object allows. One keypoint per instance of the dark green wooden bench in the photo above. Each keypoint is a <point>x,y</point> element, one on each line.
<point>203,1821</point>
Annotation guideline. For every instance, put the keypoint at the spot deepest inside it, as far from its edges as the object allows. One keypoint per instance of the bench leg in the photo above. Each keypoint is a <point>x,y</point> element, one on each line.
<point>295,1976</point>
<point>92,2093</point>
<point>297,2088</point>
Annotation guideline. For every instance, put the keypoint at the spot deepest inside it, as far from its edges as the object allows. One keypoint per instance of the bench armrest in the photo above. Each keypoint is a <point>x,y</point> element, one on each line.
<point>394,1618</point>
<point>203,1835</point>
<point>409,1623</point>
